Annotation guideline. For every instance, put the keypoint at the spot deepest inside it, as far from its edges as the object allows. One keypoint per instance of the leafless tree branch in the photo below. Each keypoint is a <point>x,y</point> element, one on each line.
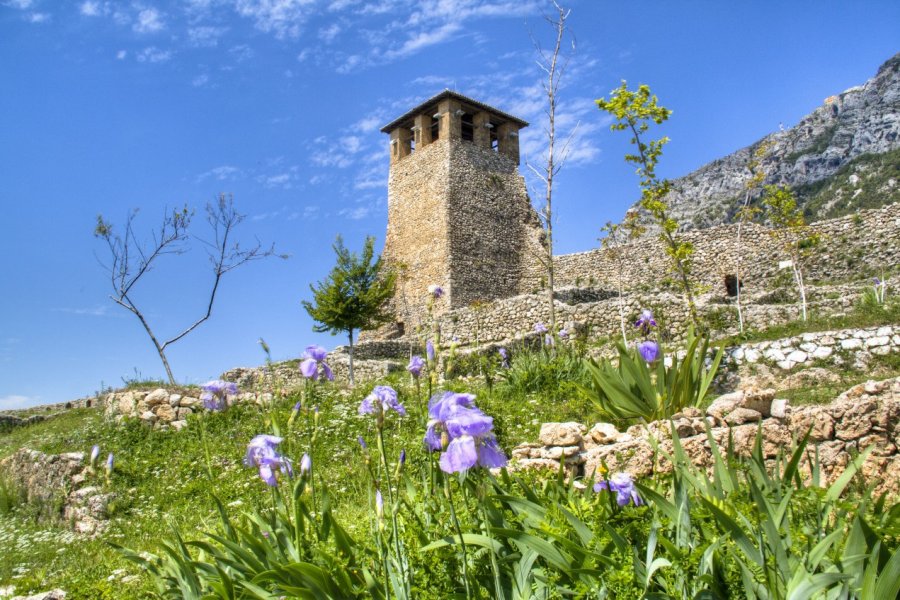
<point>131,260</point>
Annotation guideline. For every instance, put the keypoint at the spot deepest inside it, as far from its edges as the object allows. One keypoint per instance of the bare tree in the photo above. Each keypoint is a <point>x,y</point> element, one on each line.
<point>617,236</point>
<point>132,259</point>
<point>554,66</point>
<point>745,214</point>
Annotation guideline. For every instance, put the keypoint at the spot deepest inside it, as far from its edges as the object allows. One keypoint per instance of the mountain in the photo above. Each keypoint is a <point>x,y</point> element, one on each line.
<point>842,157</point>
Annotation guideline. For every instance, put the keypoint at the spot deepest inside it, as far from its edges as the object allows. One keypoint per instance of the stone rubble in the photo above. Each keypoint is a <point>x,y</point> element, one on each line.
<point>63,486</point>
<point>866,415</point>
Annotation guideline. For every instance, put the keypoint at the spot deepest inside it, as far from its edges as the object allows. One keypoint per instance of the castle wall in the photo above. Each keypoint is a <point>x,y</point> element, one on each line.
<point>851,247</point>
<point>417,243</point>
<point>869,240</point>
<point>494,232</point>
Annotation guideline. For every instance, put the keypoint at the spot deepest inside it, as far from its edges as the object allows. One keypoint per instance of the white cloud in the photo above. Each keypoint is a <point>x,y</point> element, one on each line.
<point>327,34</point>
<point>284,18</point>
<point>241,52</point>
<point>149,20</point>
<point>91,8</point>
<point>121,54</point>
<point>152,54</point>
<point>200,80</point>
<point>280,180</point>
<point>222,173</point>
<point>349,64</point>
<point>101,310</point>
<point>38,17</point>
<point>423,39</point>
<point>356,214</point>
<point>370,123</point>
<point>20,4</point>
<point>14,401</point>
<point>205,36</point>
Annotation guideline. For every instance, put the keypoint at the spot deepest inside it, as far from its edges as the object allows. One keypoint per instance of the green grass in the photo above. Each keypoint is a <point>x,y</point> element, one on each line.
<point>161,477</point>
<point>879,367</point>
<point>860,317</point>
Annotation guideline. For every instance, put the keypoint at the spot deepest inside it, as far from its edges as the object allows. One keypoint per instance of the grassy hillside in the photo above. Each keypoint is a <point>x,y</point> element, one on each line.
<point>162,481</point>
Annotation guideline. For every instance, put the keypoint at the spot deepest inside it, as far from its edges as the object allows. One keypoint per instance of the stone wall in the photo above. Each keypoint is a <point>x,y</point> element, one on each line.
<point>869,240</point>
<point>62,485</point>
<point>832,347</point>
<point>164,409</point>
<point>867,415</point>
<point>459,217</point>
<point>495,235</point>
<point>513,317</point>
<point>417,244</point>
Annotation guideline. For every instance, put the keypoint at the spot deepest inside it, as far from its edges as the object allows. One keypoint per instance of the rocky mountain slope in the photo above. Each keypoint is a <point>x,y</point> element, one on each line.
<point>843,156</point>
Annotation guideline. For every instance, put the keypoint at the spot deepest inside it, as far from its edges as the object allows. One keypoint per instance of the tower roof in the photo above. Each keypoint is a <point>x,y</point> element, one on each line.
<point>465,100</point>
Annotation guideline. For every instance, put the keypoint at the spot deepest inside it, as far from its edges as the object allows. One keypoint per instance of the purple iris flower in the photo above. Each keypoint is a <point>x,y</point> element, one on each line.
<point>305,463</point>
<point>216,394</point>
<point>504,358</point>
<point>313,362</point>
<point>262,454</point>
<point>466,451</point>
<point>381,399</point>
<point>455,422</point>
<point>623,486</point>
<point>540,327</point>
<point>548,340</point>
<point>649,350</point>
<point>379,504</point>
<point>403,457</point>
<point>362,442</point>
<point>645,321</point>
<point>436,291</point>
<point>876,280</point>
<point>95,454</point>
<point>110,462</point>
<point>563,334</point>
<point>415,366</point>
<point>429,350</point>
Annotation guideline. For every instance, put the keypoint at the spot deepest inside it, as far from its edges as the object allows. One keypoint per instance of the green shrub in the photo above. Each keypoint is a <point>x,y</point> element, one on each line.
<point>631,391</point>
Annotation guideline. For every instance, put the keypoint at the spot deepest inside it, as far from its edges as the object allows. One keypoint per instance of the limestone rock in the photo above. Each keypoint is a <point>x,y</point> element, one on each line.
<point>562,434</point>
<point>157,396</point>
<point>741,415</point>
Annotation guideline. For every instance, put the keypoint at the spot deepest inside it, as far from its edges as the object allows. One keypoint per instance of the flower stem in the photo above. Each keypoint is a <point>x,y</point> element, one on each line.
<point>448,490</point>
<point>205,443</point>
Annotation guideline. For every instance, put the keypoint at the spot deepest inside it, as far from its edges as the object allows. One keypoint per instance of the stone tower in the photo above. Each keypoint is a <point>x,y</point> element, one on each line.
<point>459,215</point>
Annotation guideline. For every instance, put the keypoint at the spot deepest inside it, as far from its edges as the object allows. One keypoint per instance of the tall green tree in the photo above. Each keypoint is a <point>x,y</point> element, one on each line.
<point>633,111</point>
<point>354,295</point>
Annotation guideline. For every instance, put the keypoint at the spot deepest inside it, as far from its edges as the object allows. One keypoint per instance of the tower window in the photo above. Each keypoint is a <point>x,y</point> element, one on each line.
<point>468,127</point>
<point>495,139</point>
<point>435,129</point>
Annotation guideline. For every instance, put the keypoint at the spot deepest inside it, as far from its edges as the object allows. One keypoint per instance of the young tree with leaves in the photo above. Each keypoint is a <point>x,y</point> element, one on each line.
<point>353,296</point>
<point>792,232</point>
<point>634,111</point>
<point>745,214</point>
<point>617,235</point>
<point>131,260</point>
<point>553,64</point>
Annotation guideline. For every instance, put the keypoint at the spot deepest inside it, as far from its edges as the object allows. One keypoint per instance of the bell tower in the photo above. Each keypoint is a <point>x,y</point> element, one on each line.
<point>459,215</point>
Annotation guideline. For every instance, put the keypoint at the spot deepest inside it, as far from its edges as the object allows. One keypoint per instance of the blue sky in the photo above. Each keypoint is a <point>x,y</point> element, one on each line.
<point>108,106</point>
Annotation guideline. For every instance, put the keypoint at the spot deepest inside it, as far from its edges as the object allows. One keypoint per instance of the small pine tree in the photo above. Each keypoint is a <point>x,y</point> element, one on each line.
<point>353,296</point>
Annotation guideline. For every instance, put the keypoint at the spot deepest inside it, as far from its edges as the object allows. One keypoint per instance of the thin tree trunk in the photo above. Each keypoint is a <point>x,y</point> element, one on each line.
<point>798,277</point>
<point>738,265</point>
<point>350,368</point>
